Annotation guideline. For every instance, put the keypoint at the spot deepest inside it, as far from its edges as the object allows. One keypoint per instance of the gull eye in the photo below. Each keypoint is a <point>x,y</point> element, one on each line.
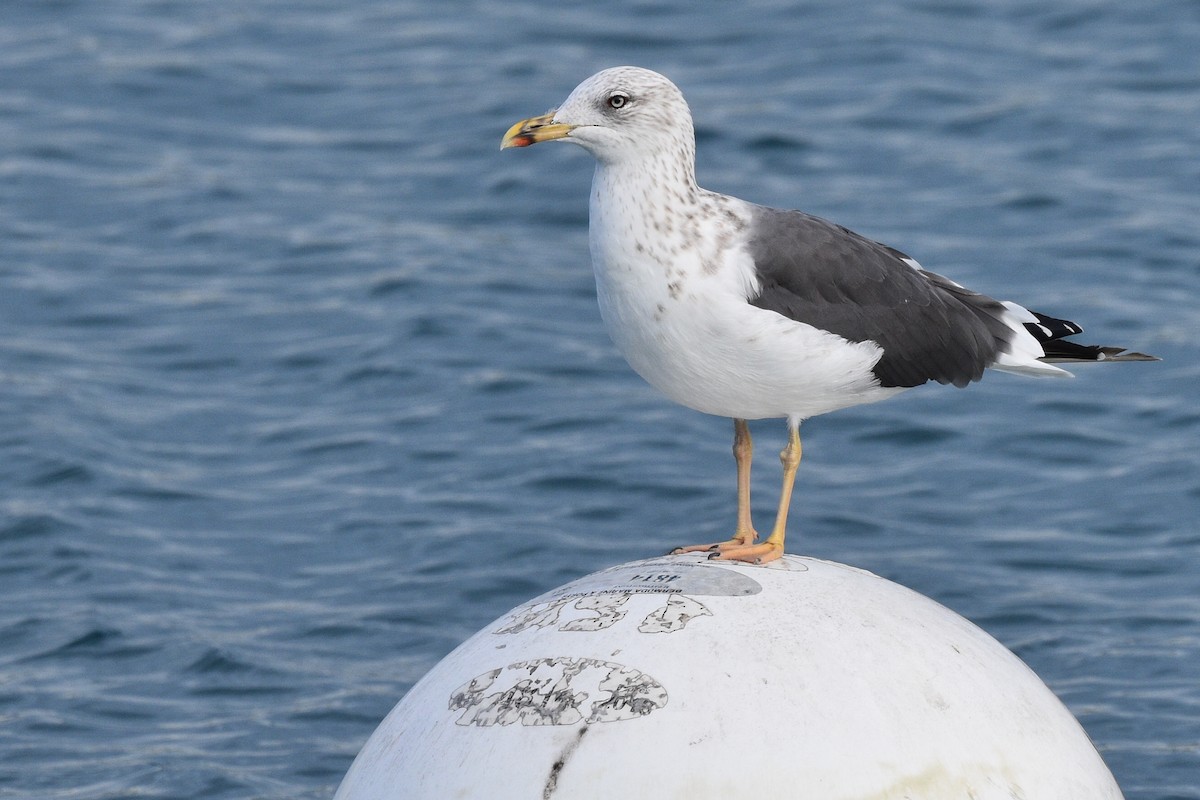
<point>617,100</point>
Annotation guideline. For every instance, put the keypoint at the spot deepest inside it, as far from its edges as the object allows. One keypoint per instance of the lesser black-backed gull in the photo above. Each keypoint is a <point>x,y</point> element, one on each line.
<point>750,312</point>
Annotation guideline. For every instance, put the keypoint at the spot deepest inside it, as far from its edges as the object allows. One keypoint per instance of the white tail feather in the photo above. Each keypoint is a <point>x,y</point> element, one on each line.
<point>1025,350</point>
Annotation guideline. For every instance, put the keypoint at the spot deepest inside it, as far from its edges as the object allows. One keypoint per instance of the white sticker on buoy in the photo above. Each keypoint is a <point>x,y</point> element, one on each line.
<point>664,576</point>
<point>603,611</point>
<point>553,691</point>
<point>603,597</point>
<point>672,617</point>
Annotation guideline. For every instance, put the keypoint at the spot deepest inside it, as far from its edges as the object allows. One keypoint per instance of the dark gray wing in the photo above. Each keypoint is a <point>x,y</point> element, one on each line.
<point>929,328</point>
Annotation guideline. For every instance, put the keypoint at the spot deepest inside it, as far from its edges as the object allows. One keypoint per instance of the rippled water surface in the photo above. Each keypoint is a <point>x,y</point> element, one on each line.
<point>302,380</point>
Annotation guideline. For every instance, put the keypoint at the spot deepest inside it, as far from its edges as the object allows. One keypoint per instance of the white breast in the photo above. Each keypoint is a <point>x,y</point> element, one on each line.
<point>673,294</point>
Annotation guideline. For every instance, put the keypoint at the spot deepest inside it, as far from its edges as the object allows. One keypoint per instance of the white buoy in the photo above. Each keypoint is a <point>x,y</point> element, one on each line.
<point>680,677</point>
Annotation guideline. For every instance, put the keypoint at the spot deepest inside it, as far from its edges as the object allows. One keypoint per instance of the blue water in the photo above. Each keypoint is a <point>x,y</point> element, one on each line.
<point>302,380</point>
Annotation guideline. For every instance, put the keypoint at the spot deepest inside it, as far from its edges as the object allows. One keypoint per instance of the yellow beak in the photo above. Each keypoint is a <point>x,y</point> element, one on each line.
<point>534,130</point>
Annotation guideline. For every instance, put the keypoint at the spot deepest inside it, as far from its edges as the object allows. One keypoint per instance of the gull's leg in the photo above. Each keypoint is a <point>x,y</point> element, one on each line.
<point>743,452</point>
<point>772,548</point>
<point>744,534</point>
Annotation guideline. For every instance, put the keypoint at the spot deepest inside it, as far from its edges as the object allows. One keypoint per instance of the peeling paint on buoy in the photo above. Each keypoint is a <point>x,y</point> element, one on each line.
<point>680,677</point>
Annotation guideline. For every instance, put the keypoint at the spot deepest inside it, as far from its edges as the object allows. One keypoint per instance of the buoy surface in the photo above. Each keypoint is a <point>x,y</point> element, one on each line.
<point>679,677</point>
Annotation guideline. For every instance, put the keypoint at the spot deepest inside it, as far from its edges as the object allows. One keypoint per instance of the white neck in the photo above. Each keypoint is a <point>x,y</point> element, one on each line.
<point>640,209</point>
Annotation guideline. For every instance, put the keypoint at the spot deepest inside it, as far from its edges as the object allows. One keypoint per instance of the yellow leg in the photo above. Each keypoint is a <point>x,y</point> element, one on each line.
<point>743,452</point>
<point>744,534</point>
<point>772,548</point>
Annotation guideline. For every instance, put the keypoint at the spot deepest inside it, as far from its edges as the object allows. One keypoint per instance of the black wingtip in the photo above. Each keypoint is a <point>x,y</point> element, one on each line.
<point>1051,332</point>
<point>1119,354</point>
<point>1048,328</point>
<point>1058,351</point>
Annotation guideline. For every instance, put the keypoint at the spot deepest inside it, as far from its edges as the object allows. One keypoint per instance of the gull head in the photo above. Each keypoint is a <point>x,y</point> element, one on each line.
<point>619,115</point>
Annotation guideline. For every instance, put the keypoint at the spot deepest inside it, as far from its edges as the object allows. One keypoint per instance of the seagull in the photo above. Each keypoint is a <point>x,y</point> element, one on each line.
<point>750,312</point>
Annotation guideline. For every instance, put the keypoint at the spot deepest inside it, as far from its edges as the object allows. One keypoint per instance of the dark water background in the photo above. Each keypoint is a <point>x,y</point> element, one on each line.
<point>302,381</point>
